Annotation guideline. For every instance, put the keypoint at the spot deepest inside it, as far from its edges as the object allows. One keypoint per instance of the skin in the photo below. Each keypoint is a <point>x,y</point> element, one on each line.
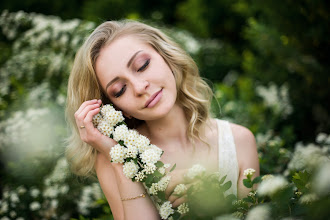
<point>165,125</point>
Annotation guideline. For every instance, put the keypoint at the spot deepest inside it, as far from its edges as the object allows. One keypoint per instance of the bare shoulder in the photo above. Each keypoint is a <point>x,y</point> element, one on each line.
<point>246,147</point>
<point>243,136</point>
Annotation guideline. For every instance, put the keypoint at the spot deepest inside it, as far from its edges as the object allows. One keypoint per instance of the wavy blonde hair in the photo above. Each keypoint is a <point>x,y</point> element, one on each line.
<point>193,93</point>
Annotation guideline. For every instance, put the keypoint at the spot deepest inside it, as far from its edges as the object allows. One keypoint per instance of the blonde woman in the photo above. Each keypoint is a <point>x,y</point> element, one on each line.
<point>157,86</point>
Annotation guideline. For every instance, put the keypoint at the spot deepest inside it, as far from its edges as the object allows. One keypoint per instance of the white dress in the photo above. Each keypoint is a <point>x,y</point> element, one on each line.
<point>228,164</point>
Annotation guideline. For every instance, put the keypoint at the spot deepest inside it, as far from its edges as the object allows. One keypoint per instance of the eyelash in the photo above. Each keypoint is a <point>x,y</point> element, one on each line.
<point>118,94</point>
<point>144,66</point>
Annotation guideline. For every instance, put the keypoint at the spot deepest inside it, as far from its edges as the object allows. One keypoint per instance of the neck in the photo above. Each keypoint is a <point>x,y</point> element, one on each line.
<point>171,128</point>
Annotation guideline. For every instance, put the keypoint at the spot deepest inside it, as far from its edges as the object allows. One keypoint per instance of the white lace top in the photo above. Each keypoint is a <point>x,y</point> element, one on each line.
<point>228,164</point>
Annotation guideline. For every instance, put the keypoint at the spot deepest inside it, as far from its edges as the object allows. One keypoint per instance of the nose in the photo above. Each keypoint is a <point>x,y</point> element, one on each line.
<point>140,86</point>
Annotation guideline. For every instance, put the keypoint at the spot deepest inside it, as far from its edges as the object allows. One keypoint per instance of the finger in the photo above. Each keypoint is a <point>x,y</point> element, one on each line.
<point>89,118</point>
<point>179,201</point>
<point>84,104</point>
<point>82,115</point>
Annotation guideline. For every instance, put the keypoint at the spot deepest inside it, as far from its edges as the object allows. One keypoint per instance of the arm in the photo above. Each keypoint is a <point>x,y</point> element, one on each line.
<point>114,183</point>
<point>247,155</point>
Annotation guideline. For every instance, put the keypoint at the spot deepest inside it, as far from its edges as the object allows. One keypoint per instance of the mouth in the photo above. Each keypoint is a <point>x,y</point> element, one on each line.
<point>154,99</point>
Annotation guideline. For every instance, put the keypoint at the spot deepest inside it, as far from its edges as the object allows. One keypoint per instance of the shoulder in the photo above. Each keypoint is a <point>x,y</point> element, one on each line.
<point>242,136</point>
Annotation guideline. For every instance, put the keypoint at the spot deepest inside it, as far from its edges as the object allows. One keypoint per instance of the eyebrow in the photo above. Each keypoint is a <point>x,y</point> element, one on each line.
<point>128,64</point>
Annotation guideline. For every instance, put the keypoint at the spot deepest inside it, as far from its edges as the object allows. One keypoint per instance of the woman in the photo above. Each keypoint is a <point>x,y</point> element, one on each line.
<point>157,86</point>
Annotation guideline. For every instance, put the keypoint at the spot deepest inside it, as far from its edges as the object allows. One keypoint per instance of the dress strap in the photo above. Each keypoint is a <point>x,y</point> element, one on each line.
<point>228,164</point>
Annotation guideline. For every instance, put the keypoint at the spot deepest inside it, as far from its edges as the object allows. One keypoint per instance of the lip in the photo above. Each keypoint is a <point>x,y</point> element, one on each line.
<point>154,99</point>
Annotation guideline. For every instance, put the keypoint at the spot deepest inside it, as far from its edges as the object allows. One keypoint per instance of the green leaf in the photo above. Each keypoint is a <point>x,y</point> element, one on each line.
<point>173,167</point>
<point>222,180</point>
<point>149,180</point>
<point>161,195</point>
<point>226,186</point>
<point>247,183</point>
<point>159,164</point>
<point>176,215</point>
<point>256,180</point>
<point>121,143</point>
<point>157,174</point>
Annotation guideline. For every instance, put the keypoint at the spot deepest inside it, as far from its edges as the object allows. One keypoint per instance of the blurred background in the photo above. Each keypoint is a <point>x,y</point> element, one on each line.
<point>267,62</point>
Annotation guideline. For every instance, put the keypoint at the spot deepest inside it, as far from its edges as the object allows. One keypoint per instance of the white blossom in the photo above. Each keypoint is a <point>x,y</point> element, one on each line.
<point>105,128</point>
<point>113,117</point>
<point>150,156</point>
<point>149,168</point>
<point>142,143</point>
<point>166,210</point>
<point>130,169</point>
<point>321,181</point>
<point>21,190</point>
<point>270,186</point>
<point>180,189</point>
<point>183,208</point>
<point>140,176</point>
<point>308,198</point>
<point>260,212</point>
<point>162,170</point>
<point>195,170</point>
<point>120,132</point>
<point>34,192</point>
<point>308,157</point>
<point>118,153</point>
<point>249,172</point>
<point>35,206</point>
<point>97,119</point>
<point>131,138</point>
<point>131,151</point>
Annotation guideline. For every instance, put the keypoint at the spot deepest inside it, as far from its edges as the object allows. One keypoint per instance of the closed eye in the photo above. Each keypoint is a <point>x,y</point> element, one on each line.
<point>144,66</point>
<point>118,94</point>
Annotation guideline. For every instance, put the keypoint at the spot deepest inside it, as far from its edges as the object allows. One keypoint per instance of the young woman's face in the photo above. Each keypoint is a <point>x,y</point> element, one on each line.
<point>136,79</point>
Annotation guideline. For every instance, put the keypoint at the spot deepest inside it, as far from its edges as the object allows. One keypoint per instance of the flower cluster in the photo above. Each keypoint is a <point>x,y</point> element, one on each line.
<point>141,160</point>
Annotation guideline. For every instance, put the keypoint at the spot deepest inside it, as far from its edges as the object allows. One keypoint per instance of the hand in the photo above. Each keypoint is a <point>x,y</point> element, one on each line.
<point>177,177</point>
<point>88,133</point>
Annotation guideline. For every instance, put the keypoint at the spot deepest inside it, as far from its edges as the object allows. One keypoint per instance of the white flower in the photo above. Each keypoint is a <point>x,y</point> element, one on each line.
<point>183,208</point>
<point>167,165</point>
<point>321,181</point>
<point>12,214</point>
<point>195,170</point>
<point>120,133</point>
<point>180,189</point>
<point>34,192</point>
<point>308,198</point>
<point>270,186</point>
<point>154,147</point>
<point>307,157</point>
<point>260,212</point>
<point>97,119</point>
<point>321,137</point>
<point>131,137</point>
<point>150,156</point>
<point>4,207</point>
<point>130,169</point>
<point>131,151</point>
<point>114,117</point>
<point>163,182</point>
<point>267,176</point>
<point>149,168</point>
<point>107,109</point>
<point>249,172</point>
<point>105,128</point>
<point>21,190</point>
<point>142,143</point>
<point>160,186</point>
<point>166,210</point>
<point>162,170</point>
<point>118,153</point>
<point>5,218</point>
<point>35,206</point>
<point>140,176</point>
<point>14,198</point>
